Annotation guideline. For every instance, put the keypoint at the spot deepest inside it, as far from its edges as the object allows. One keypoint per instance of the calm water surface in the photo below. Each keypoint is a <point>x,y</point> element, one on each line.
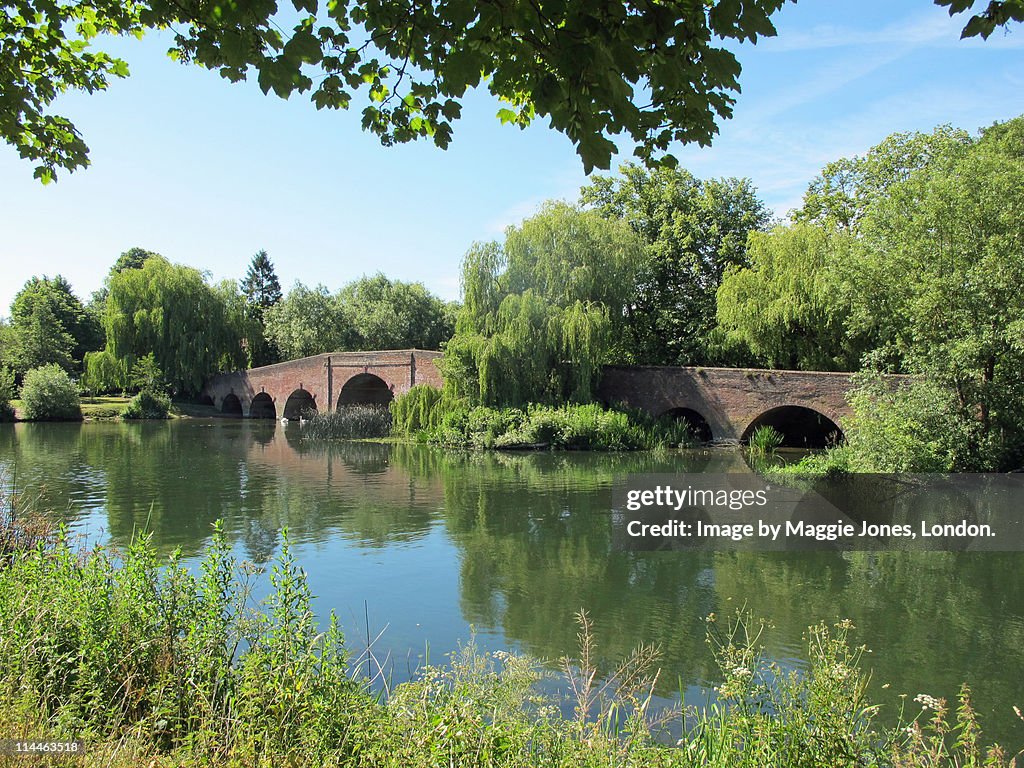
<point>434,546</point>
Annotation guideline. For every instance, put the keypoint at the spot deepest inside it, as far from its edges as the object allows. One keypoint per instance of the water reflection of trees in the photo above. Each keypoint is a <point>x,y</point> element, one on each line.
<point>535,535</point>
<point>939,617</point>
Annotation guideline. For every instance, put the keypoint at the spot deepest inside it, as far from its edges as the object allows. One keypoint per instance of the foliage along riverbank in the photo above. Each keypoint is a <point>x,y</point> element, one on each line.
<point>150,662</point>
<point>423,415</point>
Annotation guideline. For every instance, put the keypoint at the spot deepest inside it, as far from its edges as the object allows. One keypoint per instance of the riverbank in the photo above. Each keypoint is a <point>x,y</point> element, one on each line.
<point>147,662</point>
<point>109,408</point>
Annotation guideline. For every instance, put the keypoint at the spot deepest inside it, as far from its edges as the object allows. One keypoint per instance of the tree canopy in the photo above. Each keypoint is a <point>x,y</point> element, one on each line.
<point>694,230</point>
<point>369,313</point>
<point>908,259</point>
<point>191,328</point>
<point>542,310</point>
<point>656,73</point>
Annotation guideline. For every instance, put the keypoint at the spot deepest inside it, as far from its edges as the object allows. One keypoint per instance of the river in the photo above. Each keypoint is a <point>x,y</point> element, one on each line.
<point>433,547</point>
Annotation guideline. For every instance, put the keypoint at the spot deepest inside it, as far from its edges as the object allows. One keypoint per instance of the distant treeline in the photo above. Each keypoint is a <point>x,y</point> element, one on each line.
<point>907,259</point>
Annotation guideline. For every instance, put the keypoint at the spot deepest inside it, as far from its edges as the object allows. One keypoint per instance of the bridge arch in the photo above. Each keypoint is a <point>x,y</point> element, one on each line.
<point>699,426</point>
<point>299,403</point>
<point>231,405</point>
<point>801,427</point>
<point>262,407</point>
<point>365,389</point>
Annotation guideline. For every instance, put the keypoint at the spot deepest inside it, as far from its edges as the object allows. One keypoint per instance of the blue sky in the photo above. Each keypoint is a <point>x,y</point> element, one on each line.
<point>207,173</point>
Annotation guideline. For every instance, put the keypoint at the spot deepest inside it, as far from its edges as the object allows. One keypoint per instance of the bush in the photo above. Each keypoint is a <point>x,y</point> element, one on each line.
<point>49,394</point>
<point>916,427</point>
<point>7,392</point>
<point>148,405</point>
<point>349,422</point>
<point>570,427</point>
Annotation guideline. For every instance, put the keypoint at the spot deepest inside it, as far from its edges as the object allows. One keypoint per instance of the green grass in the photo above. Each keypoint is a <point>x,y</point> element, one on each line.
<point>154,664</point>
<point>111,407</point>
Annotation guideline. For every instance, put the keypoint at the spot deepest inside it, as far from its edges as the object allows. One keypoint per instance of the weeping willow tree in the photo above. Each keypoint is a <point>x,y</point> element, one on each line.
<point>169,310</point>
<point>789,306</point>
<point>541,310</point>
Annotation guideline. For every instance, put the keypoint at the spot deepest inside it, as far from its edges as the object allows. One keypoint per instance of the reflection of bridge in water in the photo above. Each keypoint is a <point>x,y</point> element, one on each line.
<point>720,404</point>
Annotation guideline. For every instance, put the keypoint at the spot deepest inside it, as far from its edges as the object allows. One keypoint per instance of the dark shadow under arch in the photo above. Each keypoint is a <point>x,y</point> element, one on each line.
<point>300,403</point>
<point>800,427</point>
<point>262,407</point>
<point>365,389</point>
<point>697,423</point>
<point>204,400</point>
<point>231,405</point>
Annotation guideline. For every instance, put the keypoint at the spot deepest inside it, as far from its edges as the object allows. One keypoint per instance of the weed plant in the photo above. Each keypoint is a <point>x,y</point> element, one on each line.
<point>153,664</point>
<point>348,423</point>
<point>21,528</point>
<point>764,441</point>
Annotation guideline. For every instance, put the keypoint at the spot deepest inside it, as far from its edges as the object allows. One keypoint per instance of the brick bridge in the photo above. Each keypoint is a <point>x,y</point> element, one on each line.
<point>721,404</point>
<point>321,383</point>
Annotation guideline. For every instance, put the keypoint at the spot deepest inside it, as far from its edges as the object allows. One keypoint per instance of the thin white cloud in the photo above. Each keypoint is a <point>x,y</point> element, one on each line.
<point>925,29</point>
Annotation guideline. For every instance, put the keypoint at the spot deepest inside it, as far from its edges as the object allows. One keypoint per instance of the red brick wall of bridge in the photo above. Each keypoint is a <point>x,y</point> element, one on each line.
<point>399,369</point>
<point>728,398</point>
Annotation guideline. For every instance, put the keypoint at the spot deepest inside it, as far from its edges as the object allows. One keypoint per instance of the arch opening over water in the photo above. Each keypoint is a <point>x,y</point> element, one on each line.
<point>697,424</point>
<point>231,405</point>
<point>263,407</point>
<point>800,427</point>
<point>365,389</point>
<point>300,403</point>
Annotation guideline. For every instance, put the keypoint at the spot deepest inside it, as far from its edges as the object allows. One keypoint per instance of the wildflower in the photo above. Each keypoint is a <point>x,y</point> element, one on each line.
<point>929,702</point>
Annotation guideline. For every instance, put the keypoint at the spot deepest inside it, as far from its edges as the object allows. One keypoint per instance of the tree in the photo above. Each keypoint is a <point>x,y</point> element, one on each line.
<point>594,69</point>
<point>37,340</point>
<point>170,311</point>
<point>262,291</point>
<point>308,321</point>
<point>938,271</point>
<point>693,230</point>
<point>541,310</point>
<point>390,314</point>
<point>789,306</point>
<point>261,287</point>
<point>67,310</point>
<point>133,258</point>
<point>840,196</point>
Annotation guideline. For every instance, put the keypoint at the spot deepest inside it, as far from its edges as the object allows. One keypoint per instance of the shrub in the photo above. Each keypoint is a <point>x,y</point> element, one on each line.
<point>148,405</point>
<point>572,427</point>
<point>49,394</point>
<point>7,392</point>
<point>916,427</point>
<point>349,422</point>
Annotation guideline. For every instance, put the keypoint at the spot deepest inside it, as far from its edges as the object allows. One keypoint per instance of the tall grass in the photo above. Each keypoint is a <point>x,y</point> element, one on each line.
<point>153,664</point>
<point>349,422</point>
<point>22,529</point>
